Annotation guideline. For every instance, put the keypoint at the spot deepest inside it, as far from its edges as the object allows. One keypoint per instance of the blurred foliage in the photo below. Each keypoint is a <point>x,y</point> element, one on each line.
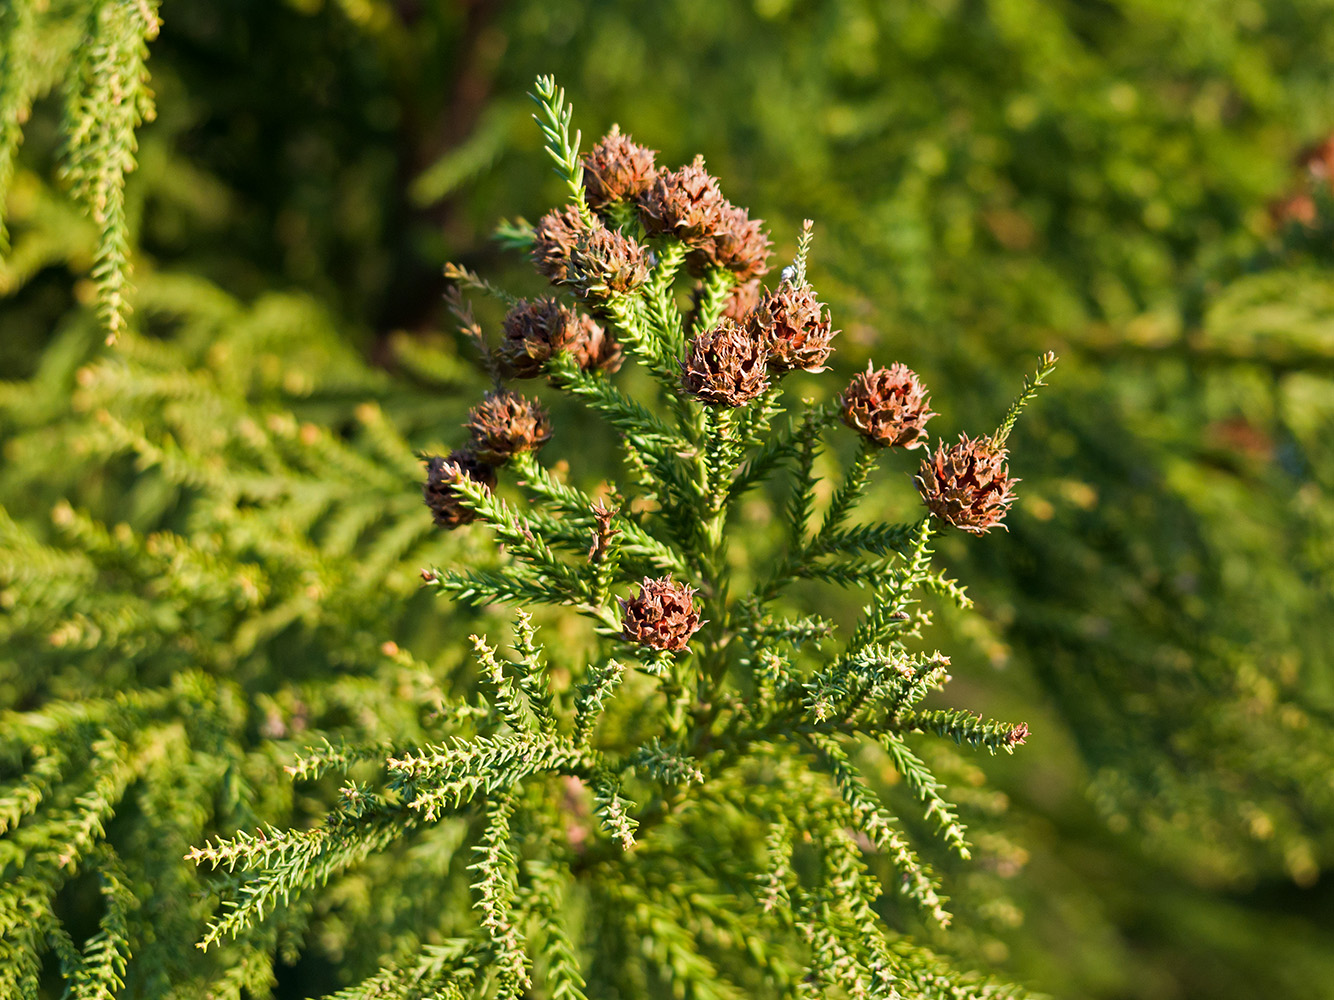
<point>989,179</point>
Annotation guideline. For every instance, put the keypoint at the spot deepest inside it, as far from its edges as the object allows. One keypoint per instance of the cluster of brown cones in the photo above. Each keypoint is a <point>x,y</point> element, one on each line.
<point>760,335</point>
<point>502,425</point>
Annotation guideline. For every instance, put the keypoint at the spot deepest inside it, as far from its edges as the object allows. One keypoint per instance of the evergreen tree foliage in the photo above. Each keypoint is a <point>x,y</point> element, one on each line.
<point>992,179</point>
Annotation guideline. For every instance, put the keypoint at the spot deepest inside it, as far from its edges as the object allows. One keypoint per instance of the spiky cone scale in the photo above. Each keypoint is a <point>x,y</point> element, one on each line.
<point>738,243</point>
<point>595,349</point>
<point>795,325</point>
<point>554,238</point>
<point>505,424</point>
<point>537,330</point>
<point>726,366</point>
<point>606,263</point>
<point>889,406</point>
<point>617,169</point>
<point>441,492</point>
<point>662,616</point>
<point>686,203</point>
<point>967,484</point>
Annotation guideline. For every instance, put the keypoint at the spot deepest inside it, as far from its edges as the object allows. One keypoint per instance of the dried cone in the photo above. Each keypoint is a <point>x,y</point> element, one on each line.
<point>889,406</point>
<point>554,238</point>
<point>739,244</point>
<point>726,366</point>
<point>617,169</point>
<point>441,492</point>
<point>686,203</point>
<point>967,485</point>
<point>595,349</point>
<point>537,330</point>
<point>605,263</point>
<point>795,326</point>
<point>505,424</point>
<point>663,616</point>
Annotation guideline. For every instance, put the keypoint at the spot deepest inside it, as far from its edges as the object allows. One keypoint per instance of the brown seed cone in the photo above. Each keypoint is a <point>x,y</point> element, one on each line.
<point>889,406</point>
<point>796,327</point>
<point>440,493</point>
<point>534,331</point>
<point>605,263</point>
<point>554,238</point>
<point>739,244</point>
<point>595,349</point>
<point>505,424</point>
<point>967,485</point>
<point>662,616</point>
<point>686,203</point>
<point>617,169</point>
<point>726,366</point>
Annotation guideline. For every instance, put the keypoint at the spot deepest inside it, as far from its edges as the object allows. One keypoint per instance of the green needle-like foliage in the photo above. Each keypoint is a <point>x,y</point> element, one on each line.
<point>687,774</point>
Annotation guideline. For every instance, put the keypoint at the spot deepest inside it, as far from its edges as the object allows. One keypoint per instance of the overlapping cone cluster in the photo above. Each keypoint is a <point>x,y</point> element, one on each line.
<point>663,615</point>
<point>688,204</point>
<point>501,426</point>
<point>726,366</point>
<point>441,490</point>
<point>537,330</point>
<point>617,169</point>
<point>795,326</point>
<point>505,424</point>
<point>967,484</point>
<point>889,406</point>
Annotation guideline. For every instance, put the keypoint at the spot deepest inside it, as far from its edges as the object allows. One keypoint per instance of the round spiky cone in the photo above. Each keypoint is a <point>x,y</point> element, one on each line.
<point>795,326</point>
<point>605,263</point>
<point>554,238</point>
<point>504,424</point>
<point>738,244</point>
<point>441,491</point>
<point>686,203</point>
<point>534,331</point>
<point>726,366</point>
<point>889,406</point>
<point>617,169</point>
<point>967,484</point>
<point>595,349</point>
<point>662,616</point>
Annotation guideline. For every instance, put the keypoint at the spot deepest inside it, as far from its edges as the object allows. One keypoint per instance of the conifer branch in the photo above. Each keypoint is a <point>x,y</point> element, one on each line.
<point>1046,365</point>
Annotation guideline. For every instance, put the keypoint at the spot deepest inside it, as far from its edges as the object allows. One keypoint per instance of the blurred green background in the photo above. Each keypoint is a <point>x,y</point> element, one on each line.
<point>989,179</point>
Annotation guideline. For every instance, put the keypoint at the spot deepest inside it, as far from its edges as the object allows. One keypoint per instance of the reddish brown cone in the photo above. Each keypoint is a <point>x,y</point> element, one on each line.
<point>662,616</point>
<point>538,330</point>
<point>686,203</point>
<point>605,263</point>
<point>726,366</point>
<point>967,485</point>
<point>738,244</point>
<point>505,424</point>
<point>795,326</point>
<point>554,238</point>
<point>889,406</point>
<point>617,169</point>
<point>595,349</point>
<point>441,492</point>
